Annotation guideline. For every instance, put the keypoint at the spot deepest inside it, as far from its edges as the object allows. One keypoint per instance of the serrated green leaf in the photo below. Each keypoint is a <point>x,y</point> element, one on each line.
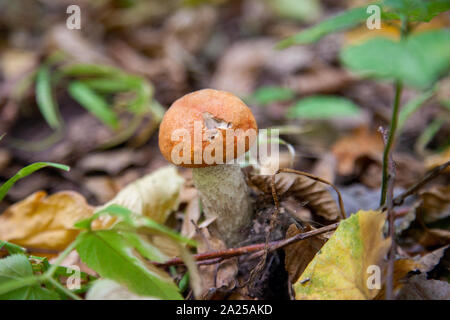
<point>323,107</point>
<point>15,268</point>
<point>108,253</point>
<point>94,103</point>
<point>22,173</point>
<point>44,98</point>
<point>269,94</point>
<point>133,220</point>
<point>418,60</point>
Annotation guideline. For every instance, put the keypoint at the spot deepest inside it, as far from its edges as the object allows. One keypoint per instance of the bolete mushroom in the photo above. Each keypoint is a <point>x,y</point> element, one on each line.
<point>208,130</point>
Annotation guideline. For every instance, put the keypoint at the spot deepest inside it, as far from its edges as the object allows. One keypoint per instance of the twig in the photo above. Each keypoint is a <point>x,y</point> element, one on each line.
<point>234,252</point>
<point>398,200</point>
<point>391,217</point>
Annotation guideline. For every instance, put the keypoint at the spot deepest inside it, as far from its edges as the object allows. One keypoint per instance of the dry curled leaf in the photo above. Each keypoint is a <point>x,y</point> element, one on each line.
<point>314,194</point>
<point>340,269</point>
<point>44,222</point>
<point>298,255</point>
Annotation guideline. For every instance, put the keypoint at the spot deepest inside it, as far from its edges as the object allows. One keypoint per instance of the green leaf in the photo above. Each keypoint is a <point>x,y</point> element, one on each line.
<point>44,98</point>
<point>16,268</point>
<point>86,69</point>
<point>108,253</point>
<point>269,94</point>
<point>107,85</point>
<point>418,10</point>
<point>418,61</point>
<point>133,220</point>
<point>345,20</point>
<point>305,10</point>
<point>22,173</point>
<point>93,103</point>
<point>146,249</point>
<point>323,107</point>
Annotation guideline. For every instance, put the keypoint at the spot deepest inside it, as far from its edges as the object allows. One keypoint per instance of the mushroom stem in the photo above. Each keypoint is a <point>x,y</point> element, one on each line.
<point>225,195</point>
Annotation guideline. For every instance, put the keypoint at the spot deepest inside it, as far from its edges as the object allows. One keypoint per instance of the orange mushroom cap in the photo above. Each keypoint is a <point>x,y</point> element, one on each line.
<point>205,122</point>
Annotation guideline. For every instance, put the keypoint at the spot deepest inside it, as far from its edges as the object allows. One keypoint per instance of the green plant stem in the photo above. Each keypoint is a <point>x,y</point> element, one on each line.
<point>50,272</point>
<point>390,140</point>
<point>394,122</point>
<point>62,288</point>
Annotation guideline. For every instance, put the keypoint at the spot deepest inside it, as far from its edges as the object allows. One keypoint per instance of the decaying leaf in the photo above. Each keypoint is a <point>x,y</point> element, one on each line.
<point>314,194</point>
<point>299,255</point>
<point>340,269</point>
<point>435,203</point>
<point>432,259</point>
<point>419,288</point>
<point>155,195</point>
<point>360,143</point>
<point>436,160</point>
<point>107,289</point>
<point>401,269</point>
<point>44,222</point>
<point>219,276</point>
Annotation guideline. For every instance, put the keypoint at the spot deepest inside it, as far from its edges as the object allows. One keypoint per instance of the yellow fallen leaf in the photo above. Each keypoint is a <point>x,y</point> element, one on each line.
<point>340,269</point>
<point>155,196</point>
<point>44,222</point>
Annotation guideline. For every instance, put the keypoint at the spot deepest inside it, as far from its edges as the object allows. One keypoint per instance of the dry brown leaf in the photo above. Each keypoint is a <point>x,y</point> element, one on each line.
<point>432,259</point>
<point>435,203</point>
<point>360,143</point>
<point>218,276</point>
<point>419,288</point>
<point>44,222</point>
<point>191,215</point>
<point>314,194</point>
<point>401,268</point>
<point>298,255</point>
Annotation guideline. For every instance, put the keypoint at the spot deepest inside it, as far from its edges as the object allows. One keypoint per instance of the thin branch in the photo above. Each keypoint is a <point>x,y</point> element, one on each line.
<point>391,217</point>
<point>211,257</point>
<point>398,200</point>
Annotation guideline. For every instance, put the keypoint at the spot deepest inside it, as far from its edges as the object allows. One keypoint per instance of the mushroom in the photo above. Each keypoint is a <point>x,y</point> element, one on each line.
<point>210,130</point>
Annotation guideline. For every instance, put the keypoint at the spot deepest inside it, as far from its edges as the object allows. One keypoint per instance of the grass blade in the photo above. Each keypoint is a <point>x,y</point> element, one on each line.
<point>94,103</point>
<point>44,98</point>
<point>26,171</point>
